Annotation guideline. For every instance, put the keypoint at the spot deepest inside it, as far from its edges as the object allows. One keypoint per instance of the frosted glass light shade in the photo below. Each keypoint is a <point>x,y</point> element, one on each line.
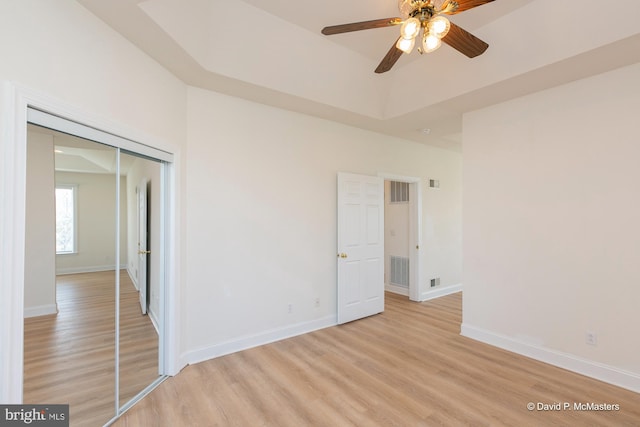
<point>410,28</point>
<point>430,43</point>
<point>439,26</point>
<point>406,45</point>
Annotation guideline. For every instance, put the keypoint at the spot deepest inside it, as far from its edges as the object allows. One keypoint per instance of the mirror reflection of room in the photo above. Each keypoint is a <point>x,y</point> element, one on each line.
<point>140,279</point>
<point>79,211</point>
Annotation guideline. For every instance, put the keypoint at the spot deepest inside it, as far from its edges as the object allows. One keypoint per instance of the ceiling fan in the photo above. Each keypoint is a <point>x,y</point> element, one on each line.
<point>422,16</point>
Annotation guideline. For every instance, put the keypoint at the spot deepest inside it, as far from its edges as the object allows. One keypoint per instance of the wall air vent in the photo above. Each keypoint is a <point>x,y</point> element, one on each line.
<point>399,192</point>
<point>399,271</point>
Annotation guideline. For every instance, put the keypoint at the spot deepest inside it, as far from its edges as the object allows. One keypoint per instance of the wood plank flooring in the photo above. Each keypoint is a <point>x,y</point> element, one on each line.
<point>69,357</point>
<point>405,367</point>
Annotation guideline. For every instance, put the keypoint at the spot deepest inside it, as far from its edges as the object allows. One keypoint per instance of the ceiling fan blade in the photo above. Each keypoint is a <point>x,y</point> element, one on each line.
<point>464,42</point>
<point>464,5</point>
<point>364,25</point>
<point>389,59</point>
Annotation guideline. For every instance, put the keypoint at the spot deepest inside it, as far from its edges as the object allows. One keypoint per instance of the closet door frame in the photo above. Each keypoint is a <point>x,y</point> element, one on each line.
<point>20,105</point>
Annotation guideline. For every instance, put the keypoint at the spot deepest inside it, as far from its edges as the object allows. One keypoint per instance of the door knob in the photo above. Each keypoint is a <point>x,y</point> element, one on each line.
<point>144,252</point>
<point>343,255</point>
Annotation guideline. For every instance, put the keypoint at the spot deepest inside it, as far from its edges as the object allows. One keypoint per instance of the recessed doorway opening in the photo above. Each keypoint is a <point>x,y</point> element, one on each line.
<point>402,207</point>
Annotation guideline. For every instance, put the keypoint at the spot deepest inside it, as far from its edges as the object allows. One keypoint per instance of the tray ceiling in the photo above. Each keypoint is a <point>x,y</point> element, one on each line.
<point>272,52</point>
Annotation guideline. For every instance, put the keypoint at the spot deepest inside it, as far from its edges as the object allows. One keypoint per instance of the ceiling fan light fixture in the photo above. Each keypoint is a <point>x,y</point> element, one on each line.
<point>430,42</point>
<point>406,45</point>
<point>421,18</point>
<point>439,26</point>
<point>410,28</point>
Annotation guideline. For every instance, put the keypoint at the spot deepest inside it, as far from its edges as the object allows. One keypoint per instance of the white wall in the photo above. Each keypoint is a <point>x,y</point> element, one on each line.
<point>261,216</point>
<point>62,50</point>
<point>96,199</point>
<point>40,249</point>
<point>551,230</point>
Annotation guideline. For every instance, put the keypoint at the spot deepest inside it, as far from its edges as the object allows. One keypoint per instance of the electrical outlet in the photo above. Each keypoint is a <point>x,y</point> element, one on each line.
<point>591,338</point>
<point>290,308</point>
<point>317,302</point>
<point>435,282</point>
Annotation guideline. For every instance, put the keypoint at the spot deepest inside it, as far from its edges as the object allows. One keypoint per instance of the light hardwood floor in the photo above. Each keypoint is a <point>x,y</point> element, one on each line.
<point>69,357</point>
<point>406,367</point>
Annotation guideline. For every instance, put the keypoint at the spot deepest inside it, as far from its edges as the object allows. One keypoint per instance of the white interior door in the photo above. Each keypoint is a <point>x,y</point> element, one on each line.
<point>143,250</point>
<point>360,246</point>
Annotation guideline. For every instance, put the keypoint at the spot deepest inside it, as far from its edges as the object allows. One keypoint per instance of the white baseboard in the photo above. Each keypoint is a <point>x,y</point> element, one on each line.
<point>154,319</point>
<point>589,368</point>
<point>87,269</point>
<point>40,310</point>
<point>263,338</point>
<point>390,287</point>
<point>438,292</point>
<point>134,279</point>
<point>180,365</point>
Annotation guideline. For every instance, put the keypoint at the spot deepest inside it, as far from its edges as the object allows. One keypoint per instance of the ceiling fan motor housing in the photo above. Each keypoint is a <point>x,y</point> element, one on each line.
<point>425,9</point>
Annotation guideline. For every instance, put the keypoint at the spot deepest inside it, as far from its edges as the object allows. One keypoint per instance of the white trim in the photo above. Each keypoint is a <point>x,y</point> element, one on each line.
<point>589,368</point>
<point>434,293</point>
<point>133,280</point>
<point>250,341</point>
<point>415,230</point>
<point>87,269</point>
<point>72,127</point>
<point>116,362</point>
<point>154,319</point>
<point>40,310</point>
<point>170,292</point>
<point>13,140</point>
<point>390,287</point>
<point>13,153</point>
<point>399,178</point>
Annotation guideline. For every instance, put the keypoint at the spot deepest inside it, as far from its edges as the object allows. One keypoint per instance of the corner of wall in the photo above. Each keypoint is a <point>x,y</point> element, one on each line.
<point>589,368</point>
<point>434,293</point>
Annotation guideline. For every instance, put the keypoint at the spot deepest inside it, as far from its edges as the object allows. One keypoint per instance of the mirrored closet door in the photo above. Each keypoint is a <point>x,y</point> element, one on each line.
<point>140,282</point>
<point>94,274</point>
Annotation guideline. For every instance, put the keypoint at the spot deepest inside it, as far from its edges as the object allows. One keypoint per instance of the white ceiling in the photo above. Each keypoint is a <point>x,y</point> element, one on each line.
<point>272,51</point>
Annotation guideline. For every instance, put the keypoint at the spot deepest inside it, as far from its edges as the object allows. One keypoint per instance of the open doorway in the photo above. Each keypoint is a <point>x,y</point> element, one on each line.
<point>361,252</point>
<point>402,201</point>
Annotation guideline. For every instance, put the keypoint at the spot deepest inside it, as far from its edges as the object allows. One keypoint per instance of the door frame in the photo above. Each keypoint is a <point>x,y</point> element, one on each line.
<point>15,102</point>
<point>415,230</point>
<point>143,248</point>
